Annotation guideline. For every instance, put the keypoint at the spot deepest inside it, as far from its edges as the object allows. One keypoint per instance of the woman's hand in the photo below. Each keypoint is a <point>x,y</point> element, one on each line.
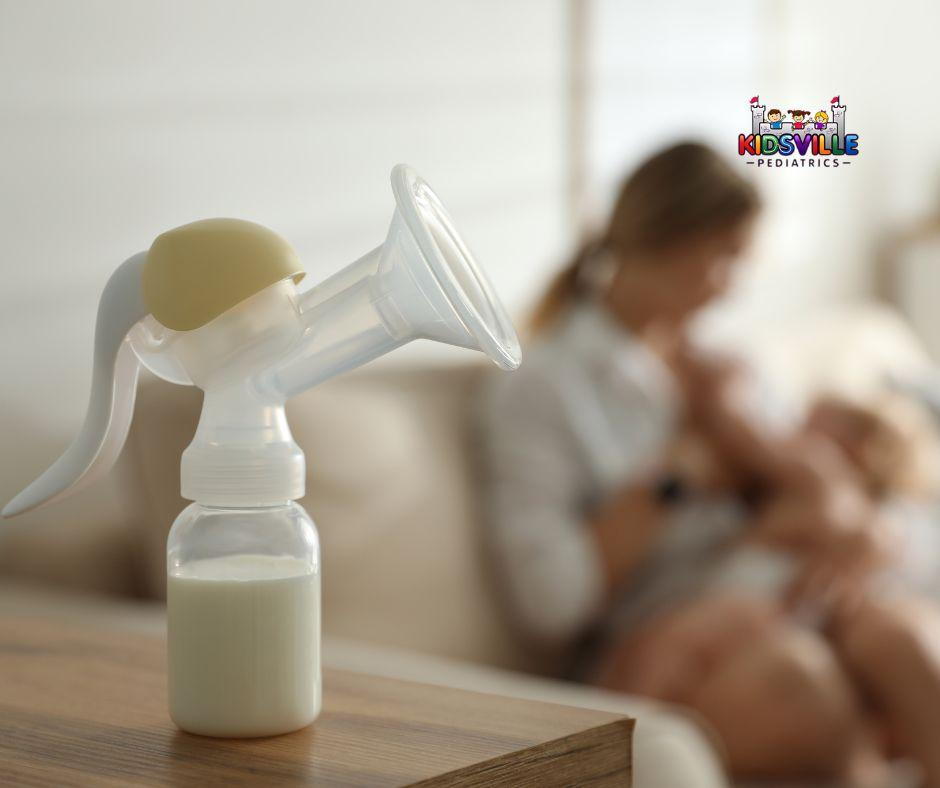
<point>804,521</point>
<point>840,565</point>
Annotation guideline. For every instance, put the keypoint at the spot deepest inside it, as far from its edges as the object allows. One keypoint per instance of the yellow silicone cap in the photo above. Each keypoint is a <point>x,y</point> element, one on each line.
<point>196,272</point>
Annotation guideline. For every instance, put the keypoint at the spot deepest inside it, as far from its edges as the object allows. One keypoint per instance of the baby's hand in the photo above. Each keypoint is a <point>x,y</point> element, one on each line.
<point>840,575</point>
<point>842,541</point>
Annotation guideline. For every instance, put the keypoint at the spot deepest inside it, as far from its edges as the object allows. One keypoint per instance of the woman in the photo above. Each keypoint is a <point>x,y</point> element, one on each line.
<point>605,534</point>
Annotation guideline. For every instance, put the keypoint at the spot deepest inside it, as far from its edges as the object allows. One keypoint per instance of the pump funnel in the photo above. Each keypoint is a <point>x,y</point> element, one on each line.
<point>421,283</point>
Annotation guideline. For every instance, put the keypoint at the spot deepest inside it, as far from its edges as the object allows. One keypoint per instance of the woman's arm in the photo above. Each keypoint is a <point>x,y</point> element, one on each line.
<point>559,561</point>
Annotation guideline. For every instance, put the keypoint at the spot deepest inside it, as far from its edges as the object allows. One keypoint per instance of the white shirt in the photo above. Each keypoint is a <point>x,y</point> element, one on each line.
<point>590,409</point>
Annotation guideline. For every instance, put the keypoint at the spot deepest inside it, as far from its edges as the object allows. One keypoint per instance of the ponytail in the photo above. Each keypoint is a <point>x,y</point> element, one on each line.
<point>566,288</point>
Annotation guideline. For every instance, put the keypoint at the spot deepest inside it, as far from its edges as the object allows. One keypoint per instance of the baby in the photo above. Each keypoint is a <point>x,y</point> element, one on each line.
<point>838,496</point>
<point>857,512</point>
<point>818,514</point>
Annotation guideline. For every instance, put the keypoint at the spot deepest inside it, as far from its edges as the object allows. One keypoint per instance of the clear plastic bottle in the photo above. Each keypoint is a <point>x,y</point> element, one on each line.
<point>243,620</point>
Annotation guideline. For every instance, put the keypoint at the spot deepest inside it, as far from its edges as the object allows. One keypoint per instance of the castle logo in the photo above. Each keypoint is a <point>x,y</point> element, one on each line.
<point>808,139</point>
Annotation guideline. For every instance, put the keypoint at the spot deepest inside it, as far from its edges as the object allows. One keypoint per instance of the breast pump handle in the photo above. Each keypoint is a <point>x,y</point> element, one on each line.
<point>111,404</point>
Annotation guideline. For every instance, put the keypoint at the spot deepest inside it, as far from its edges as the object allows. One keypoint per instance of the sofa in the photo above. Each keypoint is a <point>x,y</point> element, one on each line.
<point>406,587</point>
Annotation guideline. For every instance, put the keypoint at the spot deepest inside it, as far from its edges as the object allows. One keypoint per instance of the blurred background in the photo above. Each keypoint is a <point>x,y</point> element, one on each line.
<point>119,120</point>
<point>123,119</point>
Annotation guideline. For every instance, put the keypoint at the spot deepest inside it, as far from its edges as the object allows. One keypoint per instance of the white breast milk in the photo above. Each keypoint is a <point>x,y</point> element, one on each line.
<point>243,636</point>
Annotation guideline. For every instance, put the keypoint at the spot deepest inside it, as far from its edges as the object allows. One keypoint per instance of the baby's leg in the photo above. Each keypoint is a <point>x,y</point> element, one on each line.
<point>893,647</point>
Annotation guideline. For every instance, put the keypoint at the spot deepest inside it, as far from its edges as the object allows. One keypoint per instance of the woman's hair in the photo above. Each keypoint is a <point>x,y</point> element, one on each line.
<point>683,192</point>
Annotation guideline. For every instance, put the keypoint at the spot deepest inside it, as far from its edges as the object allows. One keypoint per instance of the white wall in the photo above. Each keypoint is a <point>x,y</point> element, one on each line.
<point>684,68</point>
<point>883,60</point>
<point>119,120</point>
<point>828,224</point>
<point>668,71</point>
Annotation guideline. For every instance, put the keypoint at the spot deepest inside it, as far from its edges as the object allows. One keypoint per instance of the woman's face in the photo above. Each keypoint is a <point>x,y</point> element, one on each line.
<point>672,284</point>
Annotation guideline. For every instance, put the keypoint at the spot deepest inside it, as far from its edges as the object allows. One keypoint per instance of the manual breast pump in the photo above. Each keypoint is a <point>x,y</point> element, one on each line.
<point>215,304</point>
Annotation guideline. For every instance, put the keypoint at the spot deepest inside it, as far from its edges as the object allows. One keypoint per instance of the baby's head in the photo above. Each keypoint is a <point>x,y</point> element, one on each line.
<point>891,442</point>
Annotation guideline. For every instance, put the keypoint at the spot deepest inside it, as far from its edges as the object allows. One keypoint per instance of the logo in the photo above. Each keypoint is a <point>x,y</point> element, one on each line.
<point>807,139</point>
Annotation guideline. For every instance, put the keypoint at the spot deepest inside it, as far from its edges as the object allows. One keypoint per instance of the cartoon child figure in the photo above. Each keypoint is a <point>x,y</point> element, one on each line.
<point>798,115</point>
<point>821,118</point>
<point>775,116</point>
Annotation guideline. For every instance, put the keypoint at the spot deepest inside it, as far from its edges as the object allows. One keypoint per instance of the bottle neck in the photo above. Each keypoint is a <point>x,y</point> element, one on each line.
<point>262,508</point>
<point>243,454</point>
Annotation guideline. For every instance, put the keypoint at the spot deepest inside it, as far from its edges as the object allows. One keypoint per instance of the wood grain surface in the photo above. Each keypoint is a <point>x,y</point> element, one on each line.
<point>86,706</point>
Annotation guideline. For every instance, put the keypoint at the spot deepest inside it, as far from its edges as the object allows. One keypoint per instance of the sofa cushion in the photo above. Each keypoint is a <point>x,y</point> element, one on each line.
<point>83,541</point>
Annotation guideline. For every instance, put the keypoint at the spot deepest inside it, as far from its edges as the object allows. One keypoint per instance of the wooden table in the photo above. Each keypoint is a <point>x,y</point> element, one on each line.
<point>86,706</point>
